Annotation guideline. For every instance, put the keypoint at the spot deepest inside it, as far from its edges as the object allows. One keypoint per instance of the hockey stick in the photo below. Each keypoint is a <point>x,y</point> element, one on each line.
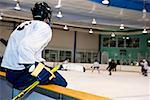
<point>32,86</point>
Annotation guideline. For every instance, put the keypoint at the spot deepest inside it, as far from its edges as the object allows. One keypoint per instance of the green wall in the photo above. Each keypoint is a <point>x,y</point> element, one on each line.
<point>131,53</point>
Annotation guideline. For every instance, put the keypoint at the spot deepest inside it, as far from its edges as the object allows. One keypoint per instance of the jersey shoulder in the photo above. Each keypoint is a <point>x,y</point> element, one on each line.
<point>40,24</point>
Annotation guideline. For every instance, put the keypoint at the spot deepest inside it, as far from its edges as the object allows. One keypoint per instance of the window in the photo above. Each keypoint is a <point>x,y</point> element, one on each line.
<point>46,55</point>
<point>120,42</point>
<point>95,56</point>
<point>135,42</point>
<point>132,42</point>
<point>80,57</point>
<point>53,55</point>
<point>65,54</point>
<point>86,57</point>
<point>61,55</point>
<point>129,43</point>
<point>112,42</point>
<point>89,57</point>
<point>109,42</point>
<point>106,42</point>
<point>57,55</point>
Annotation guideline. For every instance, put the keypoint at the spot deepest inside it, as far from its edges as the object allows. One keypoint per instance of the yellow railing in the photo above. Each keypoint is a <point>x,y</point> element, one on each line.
<point>79,95</point>
<point>2,74</point>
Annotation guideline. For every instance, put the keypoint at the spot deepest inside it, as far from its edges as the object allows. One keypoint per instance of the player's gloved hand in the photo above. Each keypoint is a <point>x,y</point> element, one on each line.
<point>41,72</point>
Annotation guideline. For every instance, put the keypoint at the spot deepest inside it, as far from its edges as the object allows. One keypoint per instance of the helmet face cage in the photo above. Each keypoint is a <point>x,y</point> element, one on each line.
<point>40,11</point>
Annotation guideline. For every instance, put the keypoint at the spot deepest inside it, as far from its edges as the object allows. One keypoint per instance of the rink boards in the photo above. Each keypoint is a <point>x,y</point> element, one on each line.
<point>50,92</point>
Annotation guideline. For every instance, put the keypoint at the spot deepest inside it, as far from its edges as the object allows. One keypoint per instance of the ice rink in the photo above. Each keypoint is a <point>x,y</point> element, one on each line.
<point>118,86</point>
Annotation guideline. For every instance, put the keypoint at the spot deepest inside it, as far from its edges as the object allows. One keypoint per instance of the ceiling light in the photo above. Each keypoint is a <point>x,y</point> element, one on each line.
<point>93,21</point>
<point>122,26</point>
<point>59,15</point>
<point>105,2</point>
<point>1,14</point>
<point>113,35</point>
<point>144,31</point>
<point>17,7</point>
<point>90,31</point>
<point>65,27</point>
<point>144,13</point>
<point>148,41</point>
<point>1,17</point>
<point>58,5</point>
<point>127,37</point>
<point>144,10</point>
<point>144,6</point>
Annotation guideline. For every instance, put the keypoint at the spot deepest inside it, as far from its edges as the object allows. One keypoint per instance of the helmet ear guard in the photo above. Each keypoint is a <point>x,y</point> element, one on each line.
<point>40,11</point>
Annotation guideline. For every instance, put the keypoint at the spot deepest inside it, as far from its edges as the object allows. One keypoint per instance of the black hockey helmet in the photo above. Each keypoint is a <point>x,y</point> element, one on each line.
<point>40,11</point>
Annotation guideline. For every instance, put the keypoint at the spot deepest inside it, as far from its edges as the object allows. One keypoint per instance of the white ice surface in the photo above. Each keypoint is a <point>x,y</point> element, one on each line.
<point>118,86</point>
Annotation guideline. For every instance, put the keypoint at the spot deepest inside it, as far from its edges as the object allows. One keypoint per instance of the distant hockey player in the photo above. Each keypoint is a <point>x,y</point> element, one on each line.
<point>144,65</point>
<point>111,66</point>
<point>96,66</point>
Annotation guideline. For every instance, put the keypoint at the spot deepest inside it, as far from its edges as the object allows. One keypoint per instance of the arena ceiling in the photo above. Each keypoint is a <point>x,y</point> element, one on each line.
<point>79,13</point>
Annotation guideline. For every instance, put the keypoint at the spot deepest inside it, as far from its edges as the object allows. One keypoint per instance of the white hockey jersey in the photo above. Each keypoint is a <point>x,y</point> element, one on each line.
<point>25,44</point>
